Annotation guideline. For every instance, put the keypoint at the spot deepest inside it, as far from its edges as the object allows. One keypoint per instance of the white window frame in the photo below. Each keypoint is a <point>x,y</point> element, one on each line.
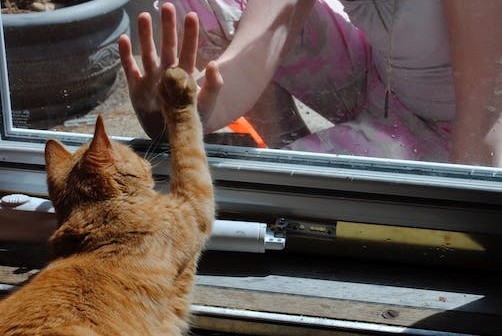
<point>299,185</point>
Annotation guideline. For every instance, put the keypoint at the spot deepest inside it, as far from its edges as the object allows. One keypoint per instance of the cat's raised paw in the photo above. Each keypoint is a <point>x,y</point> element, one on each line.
<point>177,88</point>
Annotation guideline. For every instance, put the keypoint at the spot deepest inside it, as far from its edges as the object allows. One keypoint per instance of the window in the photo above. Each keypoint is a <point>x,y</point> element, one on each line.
<point>343,143</point>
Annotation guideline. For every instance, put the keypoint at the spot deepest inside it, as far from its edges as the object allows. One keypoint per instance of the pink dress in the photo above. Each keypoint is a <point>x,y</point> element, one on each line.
<point>337,67</point>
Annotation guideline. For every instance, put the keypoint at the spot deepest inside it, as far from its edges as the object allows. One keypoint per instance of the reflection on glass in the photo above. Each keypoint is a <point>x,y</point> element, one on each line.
<point>399,79</point>
<point>63,62</point>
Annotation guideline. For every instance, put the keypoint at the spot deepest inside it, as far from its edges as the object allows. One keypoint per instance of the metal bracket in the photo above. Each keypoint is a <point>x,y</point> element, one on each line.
<point>306,228</point>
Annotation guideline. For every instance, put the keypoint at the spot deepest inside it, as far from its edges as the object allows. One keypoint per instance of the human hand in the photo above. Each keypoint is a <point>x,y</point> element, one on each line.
<point>143,87</point>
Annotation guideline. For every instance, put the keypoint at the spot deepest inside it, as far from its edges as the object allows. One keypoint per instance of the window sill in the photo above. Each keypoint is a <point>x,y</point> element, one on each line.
<point>281,294</point>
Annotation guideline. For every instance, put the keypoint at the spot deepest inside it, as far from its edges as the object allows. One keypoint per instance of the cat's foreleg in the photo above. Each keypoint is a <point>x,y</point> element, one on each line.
<point>190,178</point>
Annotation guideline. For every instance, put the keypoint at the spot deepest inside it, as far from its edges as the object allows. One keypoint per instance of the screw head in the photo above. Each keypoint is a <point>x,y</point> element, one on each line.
<point>390,314</point>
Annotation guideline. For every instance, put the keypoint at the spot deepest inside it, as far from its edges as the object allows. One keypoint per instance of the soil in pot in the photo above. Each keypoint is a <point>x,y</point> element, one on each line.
<point>29,6</point>
<point>62,64</point>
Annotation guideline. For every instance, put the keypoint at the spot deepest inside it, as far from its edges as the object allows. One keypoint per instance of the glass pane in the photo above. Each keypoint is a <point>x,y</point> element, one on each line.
<point>64,66</point>
<point>398,79</point>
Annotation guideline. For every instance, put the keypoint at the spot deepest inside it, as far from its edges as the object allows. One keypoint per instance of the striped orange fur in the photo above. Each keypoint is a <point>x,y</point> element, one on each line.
<point>125,255</point>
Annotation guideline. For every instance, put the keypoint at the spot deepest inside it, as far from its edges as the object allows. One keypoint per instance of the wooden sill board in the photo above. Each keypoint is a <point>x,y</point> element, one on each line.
<point>242,292</point>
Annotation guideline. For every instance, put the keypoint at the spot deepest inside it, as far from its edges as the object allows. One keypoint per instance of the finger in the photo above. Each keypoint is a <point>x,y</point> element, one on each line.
<point>214,80</point>
<point>148,51</point>
<point>209,92</point>
<point>126,58</point>
<point>169,37</point>
<point>188,53</point>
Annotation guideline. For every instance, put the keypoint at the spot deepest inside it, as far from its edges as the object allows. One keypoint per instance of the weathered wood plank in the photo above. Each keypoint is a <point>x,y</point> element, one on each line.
<point>419,318</point>
<point>379,293</point>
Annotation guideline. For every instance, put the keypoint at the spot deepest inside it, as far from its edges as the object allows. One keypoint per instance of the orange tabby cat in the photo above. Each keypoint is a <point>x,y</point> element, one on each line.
<point>126,255</point>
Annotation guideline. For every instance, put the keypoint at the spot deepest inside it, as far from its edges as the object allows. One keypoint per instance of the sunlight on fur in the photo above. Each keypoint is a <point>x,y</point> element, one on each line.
<point>124,255</point>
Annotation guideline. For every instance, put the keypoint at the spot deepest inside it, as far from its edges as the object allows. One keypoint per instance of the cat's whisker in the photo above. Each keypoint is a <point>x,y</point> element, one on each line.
<point>110,230</point>
<point>153,158</point>
<point>151,149</point>
<point>155,142</point>
<point>157,155</point>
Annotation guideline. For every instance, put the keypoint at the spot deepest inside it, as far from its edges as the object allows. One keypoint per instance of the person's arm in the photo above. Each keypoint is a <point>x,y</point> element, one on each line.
<point>265,32</point>
<point>475,28</point>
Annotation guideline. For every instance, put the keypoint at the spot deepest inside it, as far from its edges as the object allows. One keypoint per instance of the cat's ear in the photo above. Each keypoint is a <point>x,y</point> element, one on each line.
<point>56,156</point>
<point>100,152</point>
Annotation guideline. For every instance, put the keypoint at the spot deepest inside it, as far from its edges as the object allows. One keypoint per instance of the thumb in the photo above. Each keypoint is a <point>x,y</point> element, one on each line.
<point>208,94</point>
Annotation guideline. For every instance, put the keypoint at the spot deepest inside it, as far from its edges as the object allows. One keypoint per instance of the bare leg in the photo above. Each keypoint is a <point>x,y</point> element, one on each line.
<point>276,118</point>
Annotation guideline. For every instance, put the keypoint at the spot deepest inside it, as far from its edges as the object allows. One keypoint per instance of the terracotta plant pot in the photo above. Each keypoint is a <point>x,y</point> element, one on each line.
<point>63,62</point>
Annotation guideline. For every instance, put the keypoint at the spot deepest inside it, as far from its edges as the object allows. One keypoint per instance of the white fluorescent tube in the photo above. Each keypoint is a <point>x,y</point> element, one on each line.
<point>31,219</point>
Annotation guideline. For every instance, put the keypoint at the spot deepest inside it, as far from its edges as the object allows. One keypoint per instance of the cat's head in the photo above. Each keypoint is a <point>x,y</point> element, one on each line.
<point>96,172</point>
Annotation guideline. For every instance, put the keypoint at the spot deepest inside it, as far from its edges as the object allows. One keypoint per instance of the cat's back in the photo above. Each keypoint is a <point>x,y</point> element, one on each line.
<point>126,255</point>
<point>81,295</point>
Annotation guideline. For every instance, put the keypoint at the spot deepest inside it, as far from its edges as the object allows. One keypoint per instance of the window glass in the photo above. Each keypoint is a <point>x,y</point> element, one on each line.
<point>396,79</point>
<point>64,67</point>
